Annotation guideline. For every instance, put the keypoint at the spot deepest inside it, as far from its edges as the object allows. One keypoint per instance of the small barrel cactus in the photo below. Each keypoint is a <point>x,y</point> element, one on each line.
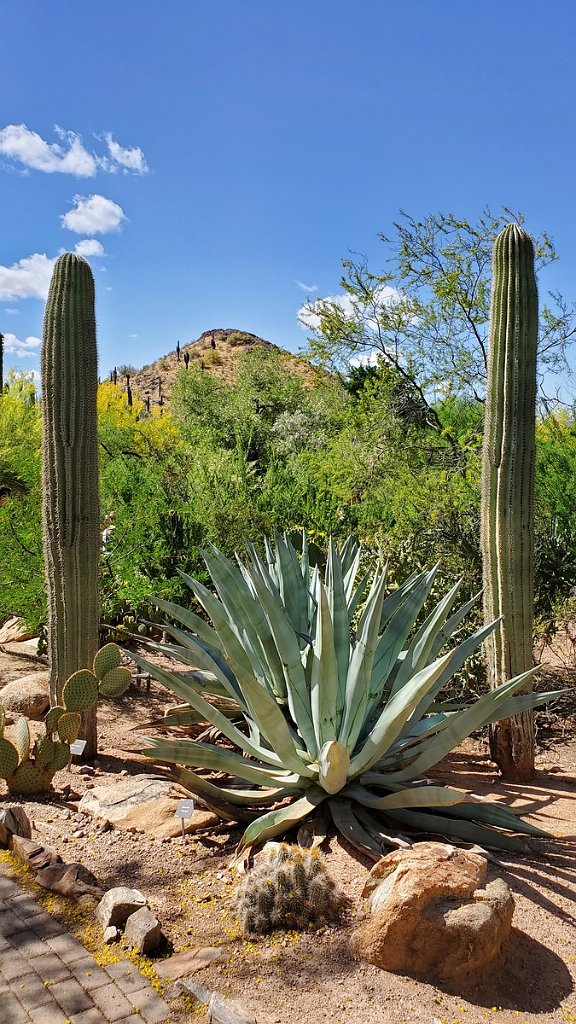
<point>290,888</point>
<point>29,768</point>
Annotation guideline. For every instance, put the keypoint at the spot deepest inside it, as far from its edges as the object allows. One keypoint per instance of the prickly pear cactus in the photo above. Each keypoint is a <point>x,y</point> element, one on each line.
<point>290,888</point>
<point>29,768</point>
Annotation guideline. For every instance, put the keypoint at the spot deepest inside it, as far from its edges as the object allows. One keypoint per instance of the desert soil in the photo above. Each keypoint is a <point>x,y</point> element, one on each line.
<point>313,977</point>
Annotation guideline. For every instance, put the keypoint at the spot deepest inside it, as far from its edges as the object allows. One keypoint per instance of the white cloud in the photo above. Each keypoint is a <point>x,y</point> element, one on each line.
<point>68,156</point>
<point>307,287</point>
<point>130,159</point>
<point>29,278</point>
<point>26,347</point>
<point>309,316</point>
<point>11,310</point>
<point>134,336</point>
<point>93,215</point>
<point>89,247</point>
<point>26,147</point>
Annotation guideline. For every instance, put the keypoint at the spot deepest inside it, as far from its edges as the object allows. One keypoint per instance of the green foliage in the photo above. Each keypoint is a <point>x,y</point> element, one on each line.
<point>289,888</point>
<point>427,314</point>
<point>339,682</point>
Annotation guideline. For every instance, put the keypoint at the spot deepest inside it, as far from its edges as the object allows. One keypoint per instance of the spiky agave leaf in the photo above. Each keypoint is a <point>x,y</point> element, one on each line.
<point>339,699</point>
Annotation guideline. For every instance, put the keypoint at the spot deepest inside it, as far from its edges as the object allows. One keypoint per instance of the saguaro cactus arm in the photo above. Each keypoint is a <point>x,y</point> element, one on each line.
<point>508,474</point>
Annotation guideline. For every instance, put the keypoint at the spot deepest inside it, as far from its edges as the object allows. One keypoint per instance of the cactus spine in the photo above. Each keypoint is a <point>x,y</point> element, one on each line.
<point>507,513</point>
<point>70,506</point>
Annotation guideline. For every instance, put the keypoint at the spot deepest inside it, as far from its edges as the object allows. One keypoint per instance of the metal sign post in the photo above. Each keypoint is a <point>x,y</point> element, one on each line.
<point>76,748</point>
<point>184,809</point>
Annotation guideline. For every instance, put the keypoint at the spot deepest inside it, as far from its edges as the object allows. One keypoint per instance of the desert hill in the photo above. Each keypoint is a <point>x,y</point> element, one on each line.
<point>217,352</point>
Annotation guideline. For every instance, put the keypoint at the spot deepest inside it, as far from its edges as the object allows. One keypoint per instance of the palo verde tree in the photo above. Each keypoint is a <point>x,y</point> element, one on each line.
<point>427,314</point>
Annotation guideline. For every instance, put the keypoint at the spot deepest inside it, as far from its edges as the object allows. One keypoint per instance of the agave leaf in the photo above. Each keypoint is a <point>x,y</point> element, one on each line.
<point>210,661</point>
<point>452,624</point>
<point>189,619</point>
<point>392,719</point>
<point>522,702</point>
<point>338,610</point>
<point>275,822</point>
<point>348,825</point>
<point>360,669</point>
<point>495,813</point>
<point>293,588</point>
<point>208,711</point>
<point>206,755</point>
<point>324,679</point>
<point>289,651</point>
<point>252,797</point>
<point>461,724</point>
<point>414,796</point>
<point>393,600</point>
<point>350,554</point>
<point>468,831</point>
<point>418,654</point>
<point>334,765</point>
<point>355,596</point>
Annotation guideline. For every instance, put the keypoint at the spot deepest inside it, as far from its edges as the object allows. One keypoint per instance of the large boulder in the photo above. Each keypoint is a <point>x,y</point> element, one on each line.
<point>142,803</point>
<point>430,915</point>
<point>15,630</point>
<point>26,696</point>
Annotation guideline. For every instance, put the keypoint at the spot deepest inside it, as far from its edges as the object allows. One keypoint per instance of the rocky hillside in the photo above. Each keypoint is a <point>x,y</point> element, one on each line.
<point>217,352</point>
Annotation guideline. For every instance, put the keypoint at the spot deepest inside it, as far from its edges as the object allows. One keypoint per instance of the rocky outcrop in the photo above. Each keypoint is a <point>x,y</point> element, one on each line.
<point>430,915</point>
<point>143,803</point>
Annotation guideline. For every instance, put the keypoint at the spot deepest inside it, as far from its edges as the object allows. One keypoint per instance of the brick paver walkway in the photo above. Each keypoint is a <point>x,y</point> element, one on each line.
<point>47,977</point>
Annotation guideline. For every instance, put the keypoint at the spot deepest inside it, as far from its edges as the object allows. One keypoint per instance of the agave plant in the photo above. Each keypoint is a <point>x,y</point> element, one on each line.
<point>337,683</point>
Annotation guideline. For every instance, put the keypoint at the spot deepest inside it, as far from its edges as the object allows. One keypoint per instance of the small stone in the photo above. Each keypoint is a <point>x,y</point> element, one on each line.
<point>111,934</point>
<point>118,904</point>
<point>13,822</point>
<point>143,931</point>
<point>191,960</point>
<point>227,1011</point>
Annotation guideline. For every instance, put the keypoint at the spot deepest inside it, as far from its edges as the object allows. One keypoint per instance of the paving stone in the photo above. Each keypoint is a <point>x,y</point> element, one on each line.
<point>71,996</point>
<point>89,974</point>
<point>28,943</point>
<point>13,965</point>
<point>45,926</point>
<point>11,923</point>
<point>151,1006</point>
<point>13,1011</point>
<point>8,888</point>
<point>92,1016</point>
<point>126,976</point>
<point>50,967</point>
<point>51,1013</point>
<point>23,905</point>
<point>32,991</point>
<point>113,1004</point>
<point>66,947</point>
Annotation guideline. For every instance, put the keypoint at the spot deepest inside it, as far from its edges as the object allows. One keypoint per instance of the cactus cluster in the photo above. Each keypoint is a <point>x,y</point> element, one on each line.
<point>29,768</point>
<point>290,888</point>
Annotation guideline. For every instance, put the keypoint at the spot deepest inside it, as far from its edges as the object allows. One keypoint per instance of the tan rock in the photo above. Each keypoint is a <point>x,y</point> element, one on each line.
<point>27,695</point>
<point>143,803</point>
<point>15,629</point>
<point>181,965</point>
<point>429,915</point>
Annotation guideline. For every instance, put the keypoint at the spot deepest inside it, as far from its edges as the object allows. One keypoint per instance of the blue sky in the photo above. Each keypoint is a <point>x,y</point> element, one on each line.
<point>221,151</point>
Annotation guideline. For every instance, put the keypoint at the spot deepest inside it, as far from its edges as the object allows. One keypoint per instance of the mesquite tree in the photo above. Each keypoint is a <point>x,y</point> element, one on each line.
<point>70,503</point>
<point>507,514</point>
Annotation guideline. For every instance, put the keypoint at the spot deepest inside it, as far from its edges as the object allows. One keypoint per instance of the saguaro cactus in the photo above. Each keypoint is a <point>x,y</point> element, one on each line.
<point>70,505</point>
<point>507,514</point>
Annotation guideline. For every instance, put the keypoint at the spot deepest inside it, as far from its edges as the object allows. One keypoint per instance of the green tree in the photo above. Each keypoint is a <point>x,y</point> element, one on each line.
<point>427,313</point>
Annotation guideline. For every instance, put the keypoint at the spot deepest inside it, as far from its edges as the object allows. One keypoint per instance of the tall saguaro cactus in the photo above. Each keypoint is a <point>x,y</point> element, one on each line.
<point>507,514</point>
<point>70,504</point>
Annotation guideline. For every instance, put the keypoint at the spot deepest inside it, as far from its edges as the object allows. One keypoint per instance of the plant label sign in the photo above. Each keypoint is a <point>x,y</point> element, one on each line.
<point>77,747</point>
<point>184,809</point>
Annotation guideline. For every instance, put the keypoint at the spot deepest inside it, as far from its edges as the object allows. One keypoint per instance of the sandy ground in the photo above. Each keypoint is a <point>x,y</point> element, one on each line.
<point>285,978</point>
